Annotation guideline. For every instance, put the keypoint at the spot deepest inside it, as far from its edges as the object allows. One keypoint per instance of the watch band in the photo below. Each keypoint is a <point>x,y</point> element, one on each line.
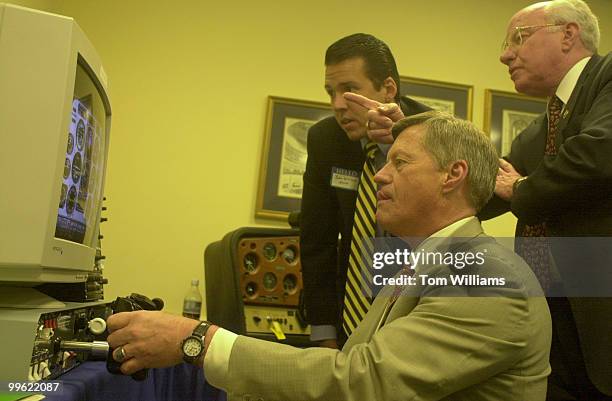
<point>201,329</point>
<point>516,183</point>
<point>198,334</point>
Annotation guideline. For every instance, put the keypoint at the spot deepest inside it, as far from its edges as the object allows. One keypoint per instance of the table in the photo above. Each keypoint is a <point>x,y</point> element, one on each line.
<point>91,381</point>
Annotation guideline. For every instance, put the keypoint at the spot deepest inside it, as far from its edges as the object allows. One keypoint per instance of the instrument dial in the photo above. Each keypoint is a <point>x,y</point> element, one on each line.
<point>251,289</point>
<point>290,284</point>
<point>290,254</point>
<point>269,251</point>
<point>250,262</point>
<point>269,281</point>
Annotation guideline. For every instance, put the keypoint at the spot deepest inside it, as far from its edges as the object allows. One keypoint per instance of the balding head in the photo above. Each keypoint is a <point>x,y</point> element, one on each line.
<point>544,40</point>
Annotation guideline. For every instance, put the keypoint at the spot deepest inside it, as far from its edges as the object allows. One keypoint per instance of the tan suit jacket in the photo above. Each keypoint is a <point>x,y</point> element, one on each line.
<point>473,345</point>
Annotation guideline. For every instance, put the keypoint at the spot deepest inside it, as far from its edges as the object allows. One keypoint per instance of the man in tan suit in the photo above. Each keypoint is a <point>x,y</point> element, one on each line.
<point>484,339</point>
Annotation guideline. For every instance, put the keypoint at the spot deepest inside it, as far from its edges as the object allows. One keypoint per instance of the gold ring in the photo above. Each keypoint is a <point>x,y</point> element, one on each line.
<point>120,356</point>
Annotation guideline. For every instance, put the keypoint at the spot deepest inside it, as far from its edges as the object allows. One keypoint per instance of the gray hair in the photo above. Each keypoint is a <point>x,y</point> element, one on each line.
<point>448,139</point>
<point>565,11</point>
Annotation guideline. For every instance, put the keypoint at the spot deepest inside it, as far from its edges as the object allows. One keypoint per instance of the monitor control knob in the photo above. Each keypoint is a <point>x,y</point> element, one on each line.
<point>97,325</point>
<point>43,370</point>
<point>35,374</point>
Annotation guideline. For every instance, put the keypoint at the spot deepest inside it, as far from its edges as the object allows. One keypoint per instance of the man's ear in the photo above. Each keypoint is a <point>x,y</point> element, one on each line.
<point>390,88</point>
<point>571,35</point>
<point>456,174</point>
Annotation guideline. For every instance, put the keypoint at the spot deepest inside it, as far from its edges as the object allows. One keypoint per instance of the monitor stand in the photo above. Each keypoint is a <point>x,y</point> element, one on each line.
<point>27,298</point>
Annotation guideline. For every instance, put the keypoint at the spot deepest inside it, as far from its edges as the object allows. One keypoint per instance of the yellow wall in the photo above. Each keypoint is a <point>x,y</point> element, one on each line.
<point>45,5</point>
<point>189,84</point>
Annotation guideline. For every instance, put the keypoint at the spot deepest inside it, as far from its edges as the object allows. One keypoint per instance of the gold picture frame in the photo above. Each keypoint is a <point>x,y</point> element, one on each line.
<point>507,114</point>
<point>445,96</point>
<point>283,158</point>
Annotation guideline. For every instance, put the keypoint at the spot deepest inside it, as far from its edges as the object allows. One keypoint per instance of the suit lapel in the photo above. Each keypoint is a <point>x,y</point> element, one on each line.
<point>382,312</point>
<point>410,296</point>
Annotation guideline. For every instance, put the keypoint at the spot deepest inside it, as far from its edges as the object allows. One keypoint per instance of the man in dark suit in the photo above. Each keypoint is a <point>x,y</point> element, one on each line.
<point>363,64</point>
<point>557,180</point>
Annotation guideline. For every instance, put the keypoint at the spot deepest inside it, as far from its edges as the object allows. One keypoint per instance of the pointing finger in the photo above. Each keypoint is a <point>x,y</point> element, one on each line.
<point>380,135</point>
<point>391,110</point>
<point>362,100</point>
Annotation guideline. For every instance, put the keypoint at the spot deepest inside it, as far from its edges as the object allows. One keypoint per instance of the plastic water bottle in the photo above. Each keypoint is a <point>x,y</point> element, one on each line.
<point>192,304</point>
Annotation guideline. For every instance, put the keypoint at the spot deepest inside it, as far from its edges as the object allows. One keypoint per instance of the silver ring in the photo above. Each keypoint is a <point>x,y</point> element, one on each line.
<point>120,355</point>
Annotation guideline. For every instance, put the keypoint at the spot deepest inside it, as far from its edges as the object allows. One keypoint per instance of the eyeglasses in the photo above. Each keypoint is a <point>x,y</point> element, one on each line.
<point>517,38</point>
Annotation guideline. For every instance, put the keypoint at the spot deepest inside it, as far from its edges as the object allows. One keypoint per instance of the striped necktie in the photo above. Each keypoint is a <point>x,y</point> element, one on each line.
<point>535,248</point>
<point>358,291</point>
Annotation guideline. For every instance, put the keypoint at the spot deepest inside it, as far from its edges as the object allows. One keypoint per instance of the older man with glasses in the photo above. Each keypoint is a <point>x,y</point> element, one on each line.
<point>520,33</point>
<point>557,180</point>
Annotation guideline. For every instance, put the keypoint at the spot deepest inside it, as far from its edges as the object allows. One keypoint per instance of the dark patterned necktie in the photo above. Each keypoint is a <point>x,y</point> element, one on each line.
<point>358,291</point>
<point>555,105</point>
<point>397,292</point>
<point>534,247</point>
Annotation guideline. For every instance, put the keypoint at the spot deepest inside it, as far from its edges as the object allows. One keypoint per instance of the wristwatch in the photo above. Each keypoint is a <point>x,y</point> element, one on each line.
<point>516,183</point>
<point>193,346</point>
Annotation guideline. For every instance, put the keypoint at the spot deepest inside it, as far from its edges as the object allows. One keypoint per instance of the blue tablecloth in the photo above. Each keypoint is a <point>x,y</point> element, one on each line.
<point>91,382</point>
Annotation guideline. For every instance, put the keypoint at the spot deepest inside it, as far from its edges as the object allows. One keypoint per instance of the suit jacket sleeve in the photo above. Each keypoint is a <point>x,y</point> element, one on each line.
<point>582,168</point>
<point>495,207</point>
<point>442,346</point>
<point>319,232</point>
<point>518,158</point>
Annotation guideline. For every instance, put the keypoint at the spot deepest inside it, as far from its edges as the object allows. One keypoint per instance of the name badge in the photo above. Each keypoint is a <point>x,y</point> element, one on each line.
<point>345,179</point>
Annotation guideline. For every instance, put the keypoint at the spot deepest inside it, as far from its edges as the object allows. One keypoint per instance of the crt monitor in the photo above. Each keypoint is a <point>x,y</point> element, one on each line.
<point>54,132</point>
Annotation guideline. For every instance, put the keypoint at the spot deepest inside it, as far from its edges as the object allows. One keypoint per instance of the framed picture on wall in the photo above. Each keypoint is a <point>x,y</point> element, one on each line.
<point>283,159</point>
<point>444,96</point>
<point>507,114</point>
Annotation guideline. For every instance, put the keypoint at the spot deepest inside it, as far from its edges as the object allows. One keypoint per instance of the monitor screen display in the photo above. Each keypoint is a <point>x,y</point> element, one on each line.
<point>83,172</point>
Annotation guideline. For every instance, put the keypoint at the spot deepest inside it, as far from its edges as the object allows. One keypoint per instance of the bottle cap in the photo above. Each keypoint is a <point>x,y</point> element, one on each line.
<point>195,282</point>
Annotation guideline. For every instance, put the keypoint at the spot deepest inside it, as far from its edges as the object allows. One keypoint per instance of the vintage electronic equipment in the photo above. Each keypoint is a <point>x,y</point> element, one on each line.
<point>44,344</point>
<point>254,284</point>
<point>31,336</point>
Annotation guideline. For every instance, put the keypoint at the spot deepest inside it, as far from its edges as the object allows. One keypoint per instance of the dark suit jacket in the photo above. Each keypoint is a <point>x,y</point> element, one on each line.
<point>572,193</point>
<point>328,212</point>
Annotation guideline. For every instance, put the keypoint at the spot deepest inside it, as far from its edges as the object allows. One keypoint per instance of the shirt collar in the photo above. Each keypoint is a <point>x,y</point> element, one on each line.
<point>449,230</point>
<point>440,237</point>
<point>568,83</point>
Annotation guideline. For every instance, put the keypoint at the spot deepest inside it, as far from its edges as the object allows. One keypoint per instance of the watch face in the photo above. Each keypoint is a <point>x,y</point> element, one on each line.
<point>192,347</point>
